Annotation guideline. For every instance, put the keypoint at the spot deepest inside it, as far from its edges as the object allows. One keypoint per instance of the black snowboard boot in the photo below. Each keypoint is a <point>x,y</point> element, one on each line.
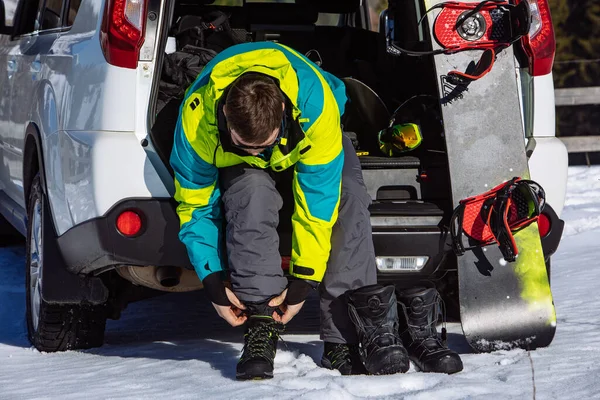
<point>260,344</point>
<point>343,357</point>
<point>421,308</point>
<point>374,312</point>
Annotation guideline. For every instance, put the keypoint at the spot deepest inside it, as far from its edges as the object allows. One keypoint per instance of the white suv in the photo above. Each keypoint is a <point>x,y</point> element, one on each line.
<point>84,169</point>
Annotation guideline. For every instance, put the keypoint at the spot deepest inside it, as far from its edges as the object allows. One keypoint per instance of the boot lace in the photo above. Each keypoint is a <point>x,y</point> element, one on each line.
<point>428,332</point>
<point>339,355</point>
<point>371,333</point>
<point>260,339</point>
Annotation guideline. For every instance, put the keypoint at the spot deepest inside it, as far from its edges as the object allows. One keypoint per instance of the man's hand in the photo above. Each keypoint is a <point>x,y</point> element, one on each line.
<point>291,300</point>
<point>232,313</point>
<point>228,306</point>
<point>289,310</point>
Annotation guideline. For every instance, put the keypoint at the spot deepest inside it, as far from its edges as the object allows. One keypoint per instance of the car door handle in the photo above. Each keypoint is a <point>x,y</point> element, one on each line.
<point>35,67</point>
<point>11,66</point>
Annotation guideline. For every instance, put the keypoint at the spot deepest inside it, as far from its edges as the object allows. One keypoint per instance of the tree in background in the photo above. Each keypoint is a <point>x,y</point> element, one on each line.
<point>577,63</point>
<point>577,28</point>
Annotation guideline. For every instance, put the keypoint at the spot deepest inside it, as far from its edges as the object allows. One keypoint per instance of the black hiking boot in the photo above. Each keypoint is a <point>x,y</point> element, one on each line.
<point>343,357</point>
<point>260,344</point>
<point>374,312</point>
<point>421,308</point>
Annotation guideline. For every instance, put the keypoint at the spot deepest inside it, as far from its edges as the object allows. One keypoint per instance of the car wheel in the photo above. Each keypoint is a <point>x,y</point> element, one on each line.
<point>53,327</point>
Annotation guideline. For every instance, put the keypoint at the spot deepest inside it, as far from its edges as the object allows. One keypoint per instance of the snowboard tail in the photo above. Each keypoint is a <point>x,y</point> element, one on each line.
<point>506,305</point>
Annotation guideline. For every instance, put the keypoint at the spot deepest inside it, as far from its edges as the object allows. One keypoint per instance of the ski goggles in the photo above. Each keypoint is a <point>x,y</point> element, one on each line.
<point>263,146</point>
<point>400,138</point>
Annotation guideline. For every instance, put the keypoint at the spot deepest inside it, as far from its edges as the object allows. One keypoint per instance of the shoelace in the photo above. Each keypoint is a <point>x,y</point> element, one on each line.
<point>428,330</point>
<point>371,333</point>
<point>339,356</point>
<point>258,341</point>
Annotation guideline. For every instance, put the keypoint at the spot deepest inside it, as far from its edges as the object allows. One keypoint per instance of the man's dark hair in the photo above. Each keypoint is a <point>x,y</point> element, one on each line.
<point>254,108</point>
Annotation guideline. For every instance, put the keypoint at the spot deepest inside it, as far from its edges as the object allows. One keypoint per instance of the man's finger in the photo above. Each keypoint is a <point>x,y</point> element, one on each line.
<point>228,315</point>
<point>237,321</point>
<point>237,311</point>
<point>276,315</point>
<point>291,312</point>
<point>233,319</point>
<point>287,317</point>
<point>234,300</point>
<point>277,301</point>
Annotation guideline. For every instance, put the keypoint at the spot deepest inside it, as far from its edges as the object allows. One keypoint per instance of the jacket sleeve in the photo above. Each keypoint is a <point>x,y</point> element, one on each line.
<point>317,188</point>
<point>197,191</point>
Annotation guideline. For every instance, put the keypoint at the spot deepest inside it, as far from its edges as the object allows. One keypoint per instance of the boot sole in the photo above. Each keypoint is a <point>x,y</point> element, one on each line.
<point>391,370</point>
<point>449,366</point>
<point>397,362</point>
<point>253,377</point>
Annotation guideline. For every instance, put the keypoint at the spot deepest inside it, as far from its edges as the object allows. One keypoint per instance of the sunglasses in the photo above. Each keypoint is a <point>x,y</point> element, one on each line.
<point>264,146</point>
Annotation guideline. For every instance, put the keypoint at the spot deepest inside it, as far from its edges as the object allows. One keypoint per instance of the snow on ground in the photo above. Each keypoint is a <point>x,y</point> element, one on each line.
<point>173,346</point>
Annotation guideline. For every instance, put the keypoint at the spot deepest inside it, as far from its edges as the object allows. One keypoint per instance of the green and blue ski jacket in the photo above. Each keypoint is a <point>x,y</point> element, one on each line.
<point>314,148</point>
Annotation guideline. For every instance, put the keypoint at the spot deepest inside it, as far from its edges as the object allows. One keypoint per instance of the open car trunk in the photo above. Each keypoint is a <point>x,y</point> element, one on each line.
<point>408,190</point>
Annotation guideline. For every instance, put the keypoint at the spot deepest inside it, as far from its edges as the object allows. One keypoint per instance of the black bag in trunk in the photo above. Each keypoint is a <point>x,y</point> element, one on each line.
<point>211,30</point>
<point>199,39</point>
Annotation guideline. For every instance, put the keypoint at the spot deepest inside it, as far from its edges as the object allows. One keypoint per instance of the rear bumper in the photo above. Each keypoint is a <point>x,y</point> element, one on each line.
<point>552,239</point>
<point>410,242</point>
<point>549,166</point>
<point>411,229</point>
<point>96,245</point>
<point>428,237</point>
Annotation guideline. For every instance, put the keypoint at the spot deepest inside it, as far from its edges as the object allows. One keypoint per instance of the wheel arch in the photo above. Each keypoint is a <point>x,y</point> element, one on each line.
<point>33,160</point>
<point>63,287</point>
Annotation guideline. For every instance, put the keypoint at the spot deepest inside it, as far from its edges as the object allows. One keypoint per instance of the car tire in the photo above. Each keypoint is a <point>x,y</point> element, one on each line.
<point>54,327</point>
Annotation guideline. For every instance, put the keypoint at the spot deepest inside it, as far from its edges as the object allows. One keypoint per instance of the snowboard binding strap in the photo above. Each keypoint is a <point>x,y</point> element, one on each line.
<point>489,25</point>
<point>492,217</point>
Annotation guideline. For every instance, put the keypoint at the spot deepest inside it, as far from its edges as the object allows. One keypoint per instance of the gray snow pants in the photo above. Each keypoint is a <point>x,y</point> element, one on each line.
<point>252,204</point>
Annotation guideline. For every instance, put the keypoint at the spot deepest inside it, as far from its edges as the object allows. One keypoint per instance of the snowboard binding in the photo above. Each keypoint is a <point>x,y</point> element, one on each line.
<point>492,217</point>
<point>490,25</point>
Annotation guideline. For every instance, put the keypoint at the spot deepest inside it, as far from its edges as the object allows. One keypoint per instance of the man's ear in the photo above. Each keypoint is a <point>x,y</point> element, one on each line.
<point>282,106</point>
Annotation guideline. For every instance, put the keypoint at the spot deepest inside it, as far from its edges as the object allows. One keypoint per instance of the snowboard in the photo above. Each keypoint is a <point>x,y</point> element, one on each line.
<point>503,304</point>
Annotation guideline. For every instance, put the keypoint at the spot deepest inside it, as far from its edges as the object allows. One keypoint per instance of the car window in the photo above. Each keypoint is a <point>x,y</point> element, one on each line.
<point>10,6</point>
<point>52,14</point>
<point>240,3</point>
<point>73,8</point>
<point>375,9</point>
<point>325,19</point>
<point>27,17</point>
<point>328,19</point>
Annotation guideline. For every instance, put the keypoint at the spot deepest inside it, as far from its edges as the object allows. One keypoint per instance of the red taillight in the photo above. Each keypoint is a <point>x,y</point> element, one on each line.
<point>122,31</point>
<point>129,223</point>
<point>285,263</point>
<point>544,225</point>
<point>540,44</point>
